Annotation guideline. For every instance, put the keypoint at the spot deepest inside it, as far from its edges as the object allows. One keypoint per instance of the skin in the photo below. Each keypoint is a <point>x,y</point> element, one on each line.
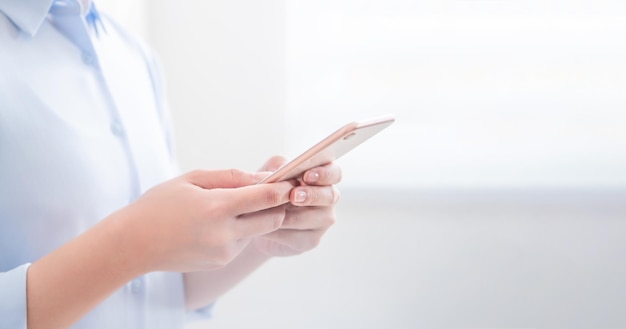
<point>217,225</point>
<point>302,229</point>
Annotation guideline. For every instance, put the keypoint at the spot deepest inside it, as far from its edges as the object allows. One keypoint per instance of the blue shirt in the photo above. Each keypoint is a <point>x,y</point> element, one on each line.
<point>83,132</point>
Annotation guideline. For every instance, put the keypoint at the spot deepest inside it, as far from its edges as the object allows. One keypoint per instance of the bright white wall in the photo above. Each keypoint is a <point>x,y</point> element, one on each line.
<point>487,93</point>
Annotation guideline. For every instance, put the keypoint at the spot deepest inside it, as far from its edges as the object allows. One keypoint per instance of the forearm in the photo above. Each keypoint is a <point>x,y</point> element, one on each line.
<point>67,283</point>
<point>205,287</point>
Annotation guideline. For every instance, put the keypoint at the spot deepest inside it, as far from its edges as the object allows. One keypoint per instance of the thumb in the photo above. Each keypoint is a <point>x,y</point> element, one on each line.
<point>229,178</point>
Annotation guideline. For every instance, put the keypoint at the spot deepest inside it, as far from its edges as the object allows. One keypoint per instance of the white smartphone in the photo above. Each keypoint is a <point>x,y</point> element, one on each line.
<point>330,148</point>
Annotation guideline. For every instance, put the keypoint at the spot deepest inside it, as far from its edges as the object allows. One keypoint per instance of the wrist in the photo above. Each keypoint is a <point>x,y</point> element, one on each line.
<point>73,279</point>
<point>128,245</point>
<point>262,248</point>
<point>257,253</point>
<point>205,287</point>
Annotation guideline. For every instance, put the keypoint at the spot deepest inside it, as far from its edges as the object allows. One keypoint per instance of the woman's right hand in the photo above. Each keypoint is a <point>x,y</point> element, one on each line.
<point>198,221</point>
<point>193,222</point>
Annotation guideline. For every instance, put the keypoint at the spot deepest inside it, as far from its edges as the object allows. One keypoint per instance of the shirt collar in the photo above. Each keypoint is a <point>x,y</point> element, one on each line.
<point>26,14</point>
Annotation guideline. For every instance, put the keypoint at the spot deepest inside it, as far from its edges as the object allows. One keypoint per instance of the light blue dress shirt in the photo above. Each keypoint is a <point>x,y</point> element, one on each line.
<point>83,132</point>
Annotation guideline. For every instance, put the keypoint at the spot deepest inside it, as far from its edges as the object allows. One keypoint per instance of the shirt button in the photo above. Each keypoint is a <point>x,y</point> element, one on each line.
<point>117,129</point>
<point>136,286</point>
<point>88,58</point>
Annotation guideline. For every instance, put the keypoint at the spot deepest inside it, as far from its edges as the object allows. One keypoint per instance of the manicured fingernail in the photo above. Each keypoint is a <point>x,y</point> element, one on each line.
<point>311,177</point>
<point>300,196</point>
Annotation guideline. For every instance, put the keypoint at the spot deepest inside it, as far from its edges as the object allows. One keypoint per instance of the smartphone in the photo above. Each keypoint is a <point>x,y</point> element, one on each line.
<point>330,148</point>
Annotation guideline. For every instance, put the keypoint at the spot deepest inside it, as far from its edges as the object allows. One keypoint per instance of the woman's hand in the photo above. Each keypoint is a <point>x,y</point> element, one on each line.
<point>193,222</point>
<point>306,219</point>
<point>196,221</point>
<point>308,216</point>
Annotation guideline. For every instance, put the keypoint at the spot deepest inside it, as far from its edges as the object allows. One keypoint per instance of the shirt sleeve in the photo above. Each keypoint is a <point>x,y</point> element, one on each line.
<point>13,298</point>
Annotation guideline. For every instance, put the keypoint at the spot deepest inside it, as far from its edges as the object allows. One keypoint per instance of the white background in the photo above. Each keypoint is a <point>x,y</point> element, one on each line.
<point>494,201</point>
<point>487,93</point>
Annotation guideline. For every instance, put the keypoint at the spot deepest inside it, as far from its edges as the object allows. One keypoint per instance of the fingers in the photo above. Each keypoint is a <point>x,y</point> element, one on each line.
<point>230,178</point>
<point>297,240</point>
<point>261,222</point>
<point>253,198</point>
<point>308,218</point>
<point>314,196</point>
<point>329,174</point>
<point>274,163</point>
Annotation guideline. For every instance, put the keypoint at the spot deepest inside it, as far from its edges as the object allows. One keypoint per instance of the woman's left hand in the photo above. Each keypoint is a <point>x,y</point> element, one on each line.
<point>308,216</point>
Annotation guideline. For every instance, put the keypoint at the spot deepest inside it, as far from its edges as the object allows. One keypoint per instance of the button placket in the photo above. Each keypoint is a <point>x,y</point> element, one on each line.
<point>88,58</point>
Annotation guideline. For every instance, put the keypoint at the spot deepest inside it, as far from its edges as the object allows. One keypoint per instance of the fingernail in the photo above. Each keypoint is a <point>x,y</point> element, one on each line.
<point>311,177</point>
<point>300,196</point>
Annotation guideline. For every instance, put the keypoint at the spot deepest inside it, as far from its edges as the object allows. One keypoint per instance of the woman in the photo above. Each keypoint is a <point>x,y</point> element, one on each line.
<point>96,230</point>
